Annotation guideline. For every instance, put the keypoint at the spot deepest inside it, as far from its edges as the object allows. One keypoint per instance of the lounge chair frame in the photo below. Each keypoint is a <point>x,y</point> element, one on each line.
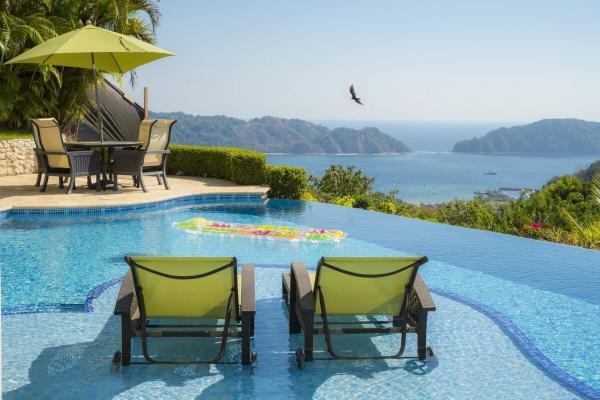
<point>239,319</point>
<point>81,163</point>
<point>298,293</point>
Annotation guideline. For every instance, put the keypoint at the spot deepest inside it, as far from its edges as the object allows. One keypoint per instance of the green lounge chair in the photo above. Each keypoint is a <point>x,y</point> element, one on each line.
<point>358,286</point>
<point>187,288</point>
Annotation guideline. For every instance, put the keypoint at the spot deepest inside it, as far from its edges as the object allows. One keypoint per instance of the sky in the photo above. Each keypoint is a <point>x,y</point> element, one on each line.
<point>437,61</point>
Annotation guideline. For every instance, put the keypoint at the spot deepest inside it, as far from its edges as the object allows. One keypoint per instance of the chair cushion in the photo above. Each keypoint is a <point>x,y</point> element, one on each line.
<point>58,162</point>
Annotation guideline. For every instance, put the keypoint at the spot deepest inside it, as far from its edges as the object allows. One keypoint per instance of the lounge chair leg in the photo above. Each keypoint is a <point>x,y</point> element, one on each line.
<point>294,323</point>
<point>71,185</point>
<point>308,339</point>
<point>45,184</point>
<point>60,183</point>
<point>246,332</point>
<point>142,184</point>
<point>125,339</point>
<point>164,177</point>
<point>158,179</point>
<point>98,182</point>
<point>422,336</point>
<point>39,179</point>
<point>89,181</point>
<point>115,182</point>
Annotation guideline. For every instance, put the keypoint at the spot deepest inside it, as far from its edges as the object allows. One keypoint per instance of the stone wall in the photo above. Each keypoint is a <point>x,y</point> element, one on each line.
<point>17,157</point>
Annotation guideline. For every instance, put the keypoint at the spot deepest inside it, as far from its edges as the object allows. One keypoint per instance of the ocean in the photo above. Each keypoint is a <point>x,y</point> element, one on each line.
<point>432,173</point>
<point>435,177</point>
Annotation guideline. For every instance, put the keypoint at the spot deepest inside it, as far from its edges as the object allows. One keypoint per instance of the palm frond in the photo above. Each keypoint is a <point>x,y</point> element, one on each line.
<point>596,185</point>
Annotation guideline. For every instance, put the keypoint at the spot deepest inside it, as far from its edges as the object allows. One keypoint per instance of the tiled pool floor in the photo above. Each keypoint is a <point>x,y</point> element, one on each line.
<point>68,355</point>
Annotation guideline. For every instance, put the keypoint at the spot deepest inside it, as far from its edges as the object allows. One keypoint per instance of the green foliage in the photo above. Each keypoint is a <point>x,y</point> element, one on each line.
<point>346,201</point>
<point>286,182</point>
<point>10,134</point>
<point>469,213</point>
<point>31,91</point>
<point>338,181</point>
<point>361,201</point>
<point>596,186</point>
<point>245,167</point>
<point>308,196</point>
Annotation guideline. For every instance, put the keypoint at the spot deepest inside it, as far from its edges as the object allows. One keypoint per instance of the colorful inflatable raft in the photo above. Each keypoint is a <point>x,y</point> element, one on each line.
<point>201,225</point>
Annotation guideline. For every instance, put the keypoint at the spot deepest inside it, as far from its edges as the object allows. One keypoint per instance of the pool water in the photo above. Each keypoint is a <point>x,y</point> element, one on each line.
<point>532,306</point>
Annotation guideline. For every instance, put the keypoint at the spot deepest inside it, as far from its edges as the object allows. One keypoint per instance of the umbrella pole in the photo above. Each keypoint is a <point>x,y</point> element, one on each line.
<point>99,123</point>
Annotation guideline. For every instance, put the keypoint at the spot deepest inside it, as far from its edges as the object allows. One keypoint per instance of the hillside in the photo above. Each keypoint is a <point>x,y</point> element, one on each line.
<point>588,173</point>
<point>548,136</point>
<point>278,135</point>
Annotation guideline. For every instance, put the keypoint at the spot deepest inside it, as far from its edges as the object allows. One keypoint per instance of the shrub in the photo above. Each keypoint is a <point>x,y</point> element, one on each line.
<point>245,167</point>
<point>286,182</point>
<point>362,201</point>
<point>388,207</point>
<point>338,181</point>
<point>345,201</point>
<point>308,196</point>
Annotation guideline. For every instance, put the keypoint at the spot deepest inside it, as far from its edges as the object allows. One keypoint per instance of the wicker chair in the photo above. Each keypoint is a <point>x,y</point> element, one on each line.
<point>151,159</point>
<point>128,162</point>
<point>55,160</point>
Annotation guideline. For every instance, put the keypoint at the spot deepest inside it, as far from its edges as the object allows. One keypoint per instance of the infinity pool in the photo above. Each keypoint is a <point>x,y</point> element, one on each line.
<point>521,315</point>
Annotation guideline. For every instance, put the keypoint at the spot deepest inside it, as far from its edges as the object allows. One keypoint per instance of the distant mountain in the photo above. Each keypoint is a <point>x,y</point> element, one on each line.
<point>278,135</point>
<point>548,136</point>
<point>587,173</point>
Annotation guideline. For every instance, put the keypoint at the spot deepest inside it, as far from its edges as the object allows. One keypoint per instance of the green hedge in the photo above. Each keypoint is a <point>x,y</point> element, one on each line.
<point>245,167</point>
<point>286,182</point>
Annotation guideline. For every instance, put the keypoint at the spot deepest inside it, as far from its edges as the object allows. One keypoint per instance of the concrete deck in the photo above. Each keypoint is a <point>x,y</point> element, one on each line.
<point>19,192</point>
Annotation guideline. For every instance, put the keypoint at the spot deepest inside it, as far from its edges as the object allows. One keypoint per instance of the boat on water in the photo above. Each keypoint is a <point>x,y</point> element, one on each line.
<point>491,173</point>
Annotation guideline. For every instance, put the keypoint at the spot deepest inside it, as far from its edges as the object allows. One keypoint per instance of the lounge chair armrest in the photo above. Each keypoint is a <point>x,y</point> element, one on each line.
<point>53,153</point>
<point>299,279</point>
<point>157,151</point>
<point>248,289</point>
<point>126,301</point>
<point>423,294</point>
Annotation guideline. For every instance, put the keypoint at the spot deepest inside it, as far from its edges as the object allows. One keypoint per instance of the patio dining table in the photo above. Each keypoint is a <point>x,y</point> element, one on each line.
<point>106,148</point>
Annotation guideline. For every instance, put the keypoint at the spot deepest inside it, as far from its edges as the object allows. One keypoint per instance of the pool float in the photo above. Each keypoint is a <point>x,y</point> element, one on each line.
<point>201,225</point>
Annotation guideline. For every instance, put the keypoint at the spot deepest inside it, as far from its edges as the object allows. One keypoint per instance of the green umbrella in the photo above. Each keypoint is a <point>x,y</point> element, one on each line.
<point>93,48</point>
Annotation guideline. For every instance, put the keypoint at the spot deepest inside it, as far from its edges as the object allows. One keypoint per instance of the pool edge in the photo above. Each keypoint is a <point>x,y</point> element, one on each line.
<point>185,199</point>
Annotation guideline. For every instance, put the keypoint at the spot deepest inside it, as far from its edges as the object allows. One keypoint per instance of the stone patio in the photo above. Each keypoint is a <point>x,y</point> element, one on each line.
<point>19,191</point>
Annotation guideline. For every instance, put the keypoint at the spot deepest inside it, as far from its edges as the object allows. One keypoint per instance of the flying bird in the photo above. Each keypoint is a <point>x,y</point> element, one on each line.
<point>353,94</point>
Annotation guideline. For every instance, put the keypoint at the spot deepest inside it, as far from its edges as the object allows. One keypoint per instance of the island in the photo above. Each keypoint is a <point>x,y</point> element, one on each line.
<point>278,135</point>
<point>544,137</point>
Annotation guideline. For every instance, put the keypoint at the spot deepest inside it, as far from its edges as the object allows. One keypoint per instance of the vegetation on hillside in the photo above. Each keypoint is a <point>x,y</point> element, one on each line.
<point>278,135</point>
<point>30,90</point>
<point>587,174</point>
<point>566,210</point>
<point>548,136</point>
